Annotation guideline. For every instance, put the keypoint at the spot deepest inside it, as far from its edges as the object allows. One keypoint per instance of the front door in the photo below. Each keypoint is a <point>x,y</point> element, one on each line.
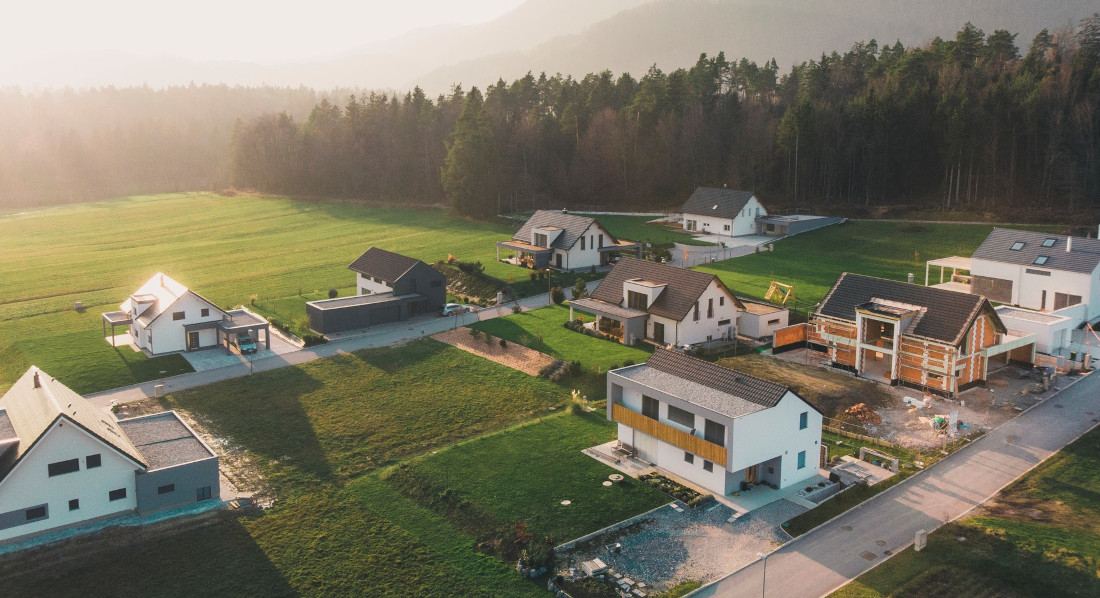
<point>659,333</point>
<point>192,340</point>
<point>558,259</point>
<point>752,474</point>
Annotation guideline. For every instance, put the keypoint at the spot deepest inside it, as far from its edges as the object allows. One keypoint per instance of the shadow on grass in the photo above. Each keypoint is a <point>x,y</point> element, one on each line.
<point>393,360</point>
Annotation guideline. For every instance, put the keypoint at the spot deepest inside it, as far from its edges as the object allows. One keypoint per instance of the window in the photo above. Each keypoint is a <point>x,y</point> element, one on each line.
<point>715,433</point>
<point>721,301</point>
<point>1049,242</point>
<point>540,240</point>
<point>1018,245</point>
<point>117,494</point>
<point>803,420</point>
<point>708,466</point>
<point>723,322</point>
<point>63,467</point>
<point>725,227</point>
<point>688,457</point>
<point>1037,272</point>
<point>179,315</point>
<point>600,238</point>
<point>204,312</point>
<point>74,504</point>
<point>92,461</point>
<point>166,489</point>
<point>636,300</point>
<point>801,459</point>
<point>582,243</point>
<point>696,317</point>
<point>710,308</point>
<point>773,322</point>
<point>38,512</point>
<point>1039,261</point>
<point>680,416</point>
<point>202,493</point>
<point>1063,300</point>
<point>651,408</point>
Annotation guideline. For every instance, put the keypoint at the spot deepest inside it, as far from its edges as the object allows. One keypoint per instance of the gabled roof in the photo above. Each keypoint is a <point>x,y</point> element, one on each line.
<point>572,226</point>
<point>164,292</point>
<point>718,389</point>
<point>36,401</point>
<point>944,316</point>
<point>384,264</point>
<point>684,287</point>
<point>722,203</point>
<point>997,247</point>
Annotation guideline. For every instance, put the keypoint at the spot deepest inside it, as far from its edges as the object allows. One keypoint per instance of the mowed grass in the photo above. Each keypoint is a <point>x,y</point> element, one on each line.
<point>1039,537</point>
<point>812,261</point>
<point>228,249</point>
<point>523,474</point>
<point>635,228</point>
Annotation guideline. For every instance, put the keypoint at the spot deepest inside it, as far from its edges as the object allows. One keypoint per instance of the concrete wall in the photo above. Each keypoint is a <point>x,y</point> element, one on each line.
<point>166,335</point>
<point>186,479</point>
<point>30,485</point>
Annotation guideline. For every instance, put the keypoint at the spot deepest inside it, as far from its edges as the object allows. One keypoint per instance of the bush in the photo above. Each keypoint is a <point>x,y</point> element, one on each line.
<point>332,293</point>
<point>580,291</point>
<point>312,340</point>
<point>557,295</point>
<point>471,268</point>
<point>534,275</point>
<point>474,332</point>
<point>575,367</point>
<point>516,308</point>
<point>488,339</point>
<point>503,344</point>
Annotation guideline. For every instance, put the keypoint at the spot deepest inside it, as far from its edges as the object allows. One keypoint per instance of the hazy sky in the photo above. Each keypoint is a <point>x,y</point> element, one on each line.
<point>268,31</point>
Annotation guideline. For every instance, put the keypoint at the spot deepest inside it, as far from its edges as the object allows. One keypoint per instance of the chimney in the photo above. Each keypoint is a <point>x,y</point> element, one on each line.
<point>564,211</point>
<point>1069,244</point>
<point>37,382</point>
<point>911,279</point>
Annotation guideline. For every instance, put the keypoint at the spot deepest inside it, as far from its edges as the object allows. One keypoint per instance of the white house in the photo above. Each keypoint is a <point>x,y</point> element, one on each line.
<point>165,317</point>
<point>713,426</point>
<point>64,462</point>
<point>1039,271</point>
<point>723,211</point>
<point>565,241</point>
<point>641,300</point>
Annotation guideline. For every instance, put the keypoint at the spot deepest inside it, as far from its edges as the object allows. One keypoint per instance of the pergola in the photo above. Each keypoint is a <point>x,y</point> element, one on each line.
<point>242,321</point>
<point>115,318</point>
<point>956,263</point>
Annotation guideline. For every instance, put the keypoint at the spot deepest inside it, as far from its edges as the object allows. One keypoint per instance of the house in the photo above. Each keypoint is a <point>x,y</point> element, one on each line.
<point>713,426</point>
<point>63,462</point>
<point>565,241</point>
<point>723,211</point>
<point>913,335</point>
<point>760,320</point>
<point>164,316</point>
<point>1051,273</point>
<point>641,300</point>
<point>392,288</point>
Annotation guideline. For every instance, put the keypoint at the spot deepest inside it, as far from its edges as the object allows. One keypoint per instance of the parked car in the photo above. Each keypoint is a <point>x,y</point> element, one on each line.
<point>245,344</point>
<point>452,309</point>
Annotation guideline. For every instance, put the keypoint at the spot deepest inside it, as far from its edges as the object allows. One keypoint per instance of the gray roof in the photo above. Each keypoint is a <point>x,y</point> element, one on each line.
<point>384,264</point>
<point>7,431</point>
<point>946,317</point>
<point>684,287</point>
<point>718,389</point>
<point>340,302</point>
<point>997,247</point>
<point>711,201</point>
<point>572,226</point>
<point>165,440</point>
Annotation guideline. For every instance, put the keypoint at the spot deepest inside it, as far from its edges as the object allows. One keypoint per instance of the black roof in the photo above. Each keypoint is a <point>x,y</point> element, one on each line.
<point>723,203</point>
<point>946,315</point>
<point>384,264</point>
<point>723,379</point>
<point>684,287</point>
<point>997,247</point>
<point>572,226</point>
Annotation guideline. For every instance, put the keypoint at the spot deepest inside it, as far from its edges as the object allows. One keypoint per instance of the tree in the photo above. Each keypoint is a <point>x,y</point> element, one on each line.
<point>469,171</point>
<point>580,290</point>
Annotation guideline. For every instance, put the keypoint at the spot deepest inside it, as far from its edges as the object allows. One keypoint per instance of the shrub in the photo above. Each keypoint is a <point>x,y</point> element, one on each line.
<point>575,367</point>
<point>516,308</point>
<point>311,339</point>
<point>534,275</point>
<point>557,295</point>
<point>474,332</point>
<point>471,268</point>
<point>580,291</point>
<point>503,344</point>
<point>333,293</point>
<point>488,339</point>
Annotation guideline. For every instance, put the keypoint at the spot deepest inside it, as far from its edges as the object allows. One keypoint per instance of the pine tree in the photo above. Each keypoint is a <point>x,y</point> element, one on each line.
<point>469,171</point>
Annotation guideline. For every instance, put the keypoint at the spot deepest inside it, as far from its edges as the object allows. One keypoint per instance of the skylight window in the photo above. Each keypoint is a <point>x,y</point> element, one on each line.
<point>1049,243</point>
<point>1018,245</point>
<point>1039,261</point>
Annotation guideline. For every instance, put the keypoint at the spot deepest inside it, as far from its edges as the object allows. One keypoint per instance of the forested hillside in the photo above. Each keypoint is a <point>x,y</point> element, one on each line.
<point>970,123</point>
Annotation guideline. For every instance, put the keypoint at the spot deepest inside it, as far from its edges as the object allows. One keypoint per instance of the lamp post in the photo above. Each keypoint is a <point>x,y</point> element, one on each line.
<point>764,581</point>
<point>549,297</point>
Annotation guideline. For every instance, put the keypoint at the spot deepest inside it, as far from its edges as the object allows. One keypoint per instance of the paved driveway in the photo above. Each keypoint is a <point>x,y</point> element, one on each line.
<point>828,557</point>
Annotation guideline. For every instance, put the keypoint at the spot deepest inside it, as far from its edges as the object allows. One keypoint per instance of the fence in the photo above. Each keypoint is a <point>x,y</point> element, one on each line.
<point>870,439</point>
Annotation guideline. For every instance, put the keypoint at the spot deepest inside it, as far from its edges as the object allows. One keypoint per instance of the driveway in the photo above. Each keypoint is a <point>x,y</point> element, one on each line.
<point>217,357</point>
<point>822,560</point>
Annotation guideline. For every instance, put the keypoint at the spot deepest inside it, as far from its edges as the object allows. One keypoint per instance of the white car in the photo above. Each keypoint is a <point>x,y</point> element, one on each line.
<point>452,309</point>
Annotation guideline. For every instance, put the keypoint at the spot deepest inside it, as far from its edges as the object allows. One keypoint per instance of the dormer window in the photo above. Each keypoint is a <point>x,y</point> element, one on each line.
<point>1049,242</point>
<point>1041,260</point>
<point>1018,245</point>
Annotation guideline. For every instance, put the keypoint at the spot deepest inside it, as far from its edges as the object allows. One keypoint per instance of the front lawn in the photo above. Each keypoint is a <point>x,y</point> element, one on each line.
<point>634,228</point>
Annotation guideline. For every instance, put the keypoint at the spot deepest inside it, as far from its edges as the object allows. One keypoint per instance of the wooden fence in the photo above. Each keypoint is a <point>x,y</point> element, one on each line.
<point>871,439</point>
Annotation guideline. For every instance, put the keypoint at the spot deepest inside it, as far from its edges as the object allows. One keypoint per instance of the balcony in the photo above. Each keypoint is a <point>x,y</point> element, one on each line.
<point>666,433</point>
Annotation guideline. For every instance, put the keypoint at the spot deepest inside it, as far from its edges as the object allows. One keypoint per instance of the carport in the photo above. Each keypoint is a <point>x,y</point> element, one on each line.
<point>243,321</point>
<point>115,318</point>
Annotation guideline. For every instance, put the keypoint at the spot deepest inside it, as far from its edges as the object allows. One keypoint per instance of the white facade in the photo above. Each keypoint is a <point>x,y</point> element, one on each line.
<point>583,254</point>
<point>1053,331</point>
<point>29,484</point>
<point>742,224</point>
<point>759,321</point>
<point>1034,287</point>
<point>166,334</point>
<point>369,285</point>
<point>717,320</point>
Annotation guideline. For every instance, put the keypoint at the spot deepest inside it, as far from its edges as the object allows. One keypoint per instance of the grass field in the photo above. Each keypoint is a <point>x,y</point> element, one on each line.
<point>635,228</point>
<point>1039,537</point>
<point>813,261</point>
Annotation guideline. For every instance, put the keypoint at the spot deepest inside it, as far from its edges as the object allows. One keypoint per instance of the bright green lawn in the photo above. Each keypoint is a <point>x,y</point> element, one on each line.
<point>634,228</point>
<point>543,329</point>
<point>1040,537</point>
<point>228,249</point>
<point>813,261</point>
<point>483,471</point>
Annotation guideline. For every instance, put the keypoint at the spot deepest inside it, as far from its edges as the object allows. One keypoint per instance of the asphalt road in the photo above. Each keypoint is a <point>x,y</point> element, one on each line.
<point>824,559</point>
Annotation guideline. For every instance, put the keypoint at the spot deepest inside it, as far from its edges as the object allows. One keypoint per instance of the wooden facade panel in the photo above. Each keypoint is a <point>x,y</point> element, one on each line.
<point>666,433</point>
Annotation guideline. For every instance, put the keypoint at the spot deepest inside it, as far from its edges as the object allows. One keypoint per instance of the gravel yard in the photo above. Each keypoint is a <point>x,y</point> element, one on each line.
<point>666,547</point>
